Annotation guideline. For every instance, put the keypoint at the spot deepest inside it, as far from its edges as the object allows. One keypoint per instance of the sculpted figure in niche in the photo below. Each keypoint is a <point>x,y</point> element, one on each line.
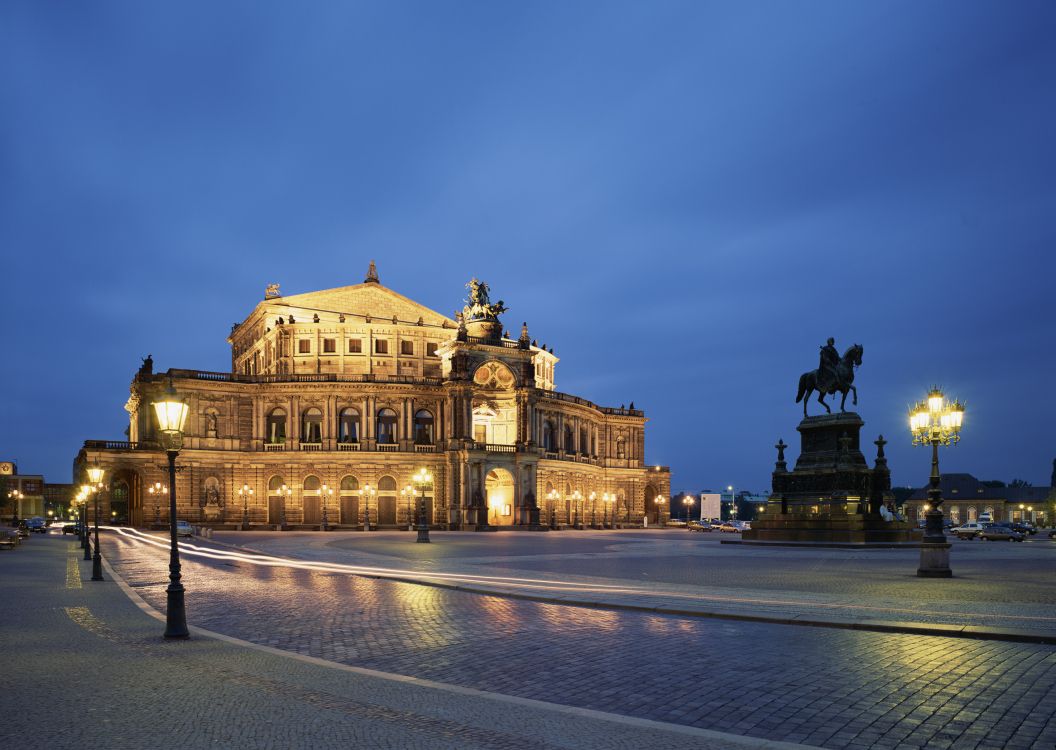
<point>210,424</point>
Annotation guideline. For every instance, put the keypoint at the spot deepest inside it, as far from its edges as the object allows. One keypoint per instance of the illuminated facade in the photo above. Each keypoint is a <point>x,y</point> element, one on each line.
<point>337,398</point>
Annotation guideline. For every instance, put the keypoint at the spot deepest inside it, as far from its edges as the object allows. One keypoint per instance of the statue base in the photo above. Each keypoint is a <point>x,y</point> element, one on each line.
<point>831,498</point>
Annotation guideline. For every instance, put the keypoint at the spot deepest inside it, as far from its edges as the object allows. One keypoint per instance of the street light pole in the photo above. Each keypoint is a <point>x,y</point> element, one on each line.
<point>660,501</point>
<point>422,479</point>
<point>171,417</point>
<point>367,492</point>
<point>935,422</point>
<point>95,476</point>
<point>327,494</point>
<point>408,493</point>
<point>86,491</point>
<point>733,503</point>
<point>155,490</point>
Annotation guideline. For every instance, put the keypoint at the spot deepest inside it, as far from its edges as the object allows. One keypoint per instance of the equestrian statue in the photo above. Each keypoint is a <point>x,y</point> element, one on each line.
<point>834,373</point>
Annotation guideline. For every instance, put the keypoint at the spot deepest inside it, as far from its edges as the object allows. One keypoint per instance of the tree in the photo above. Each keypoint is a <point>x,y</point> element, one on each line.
<point>1020,483</point>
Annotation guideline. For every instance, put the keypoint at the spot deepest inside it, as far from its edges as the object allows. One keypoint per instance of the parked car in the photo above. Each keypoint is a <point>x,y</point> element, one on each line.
<point>1025,528</point>
<point>37,525</point>
<point>699,526</point>
<point>997,532</point>
<point>731,526</point>
<point>968,530</point>
<point>184,529</point>
<point>69,528</point>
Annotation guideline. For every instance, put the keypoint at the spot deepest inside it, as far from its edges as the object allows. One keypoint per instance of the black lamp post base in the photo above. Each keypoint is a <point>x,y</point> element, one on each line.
<point>97,566</point>
<point>934,561</point>
<point>175,613</point>
<point>423,533</point>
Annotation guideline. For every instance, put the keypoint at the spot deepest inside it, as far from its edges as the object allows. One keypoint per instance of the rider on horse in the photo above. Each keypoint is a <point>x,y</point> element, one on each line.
<point>828,376</point>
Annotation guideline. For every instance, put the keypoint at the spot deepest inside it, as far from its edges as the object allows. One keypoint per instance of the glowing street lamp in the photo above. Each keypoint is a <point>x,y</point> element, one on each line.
<point>408,493</point>
<point>15,496</point>
<point>608,498</point>
<point>367,493</point>
<point>156,490</point>
<point>733,503</point>
<point>95,476</point>
<point>551,498</point>
<point>576,498</point>
<point>327,494</point>
<point>660,501</point>
<point>687,503</point>
<point>172,414</point>
<point>593,510</point>
<point>935,421</point>
<point>422,480</point>
<point>245,492</point>
<point>287,497</point>
<point>86,494</point>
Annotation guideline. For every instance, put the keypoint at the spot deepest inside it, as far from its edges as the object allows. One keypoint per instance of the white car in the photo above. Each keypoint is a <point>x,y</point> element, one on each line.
<point>184,529</point>
<point>969,530</point>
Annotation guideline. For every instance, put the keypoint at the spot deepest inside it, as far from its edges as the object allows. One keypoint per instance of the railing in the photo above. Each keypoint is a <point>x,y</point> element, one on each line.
<point>228,377</point>
<point>388,447</point>
<point>504,343</point>
<point>311,446</point>
<point>120,445</point>
<point>424,448</point>
<point>348,446</point>
<point>497,448</point>
<point>274,446</point>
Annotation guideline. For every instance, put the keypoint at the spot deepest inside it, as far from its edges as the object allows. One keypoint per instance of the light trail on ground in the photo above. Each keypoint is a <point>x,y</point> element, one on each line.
<point>526,584</point>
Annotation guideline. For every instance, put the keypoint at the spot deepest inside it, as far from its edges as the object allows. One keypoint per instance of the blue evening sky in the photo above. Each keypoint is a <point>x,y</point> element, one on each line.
<point>684,199</point>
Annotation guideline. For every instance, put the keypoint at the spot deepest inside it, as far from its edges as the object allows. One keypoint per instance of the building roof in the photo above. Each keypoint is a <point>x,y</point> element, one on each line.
<point>965,487</point>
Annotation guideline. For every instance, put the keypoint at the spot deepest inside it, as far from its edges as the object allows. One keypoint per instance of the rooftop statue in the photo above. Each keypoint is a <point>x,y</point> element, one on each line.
<point>479,305</point>
<point>834,374</point>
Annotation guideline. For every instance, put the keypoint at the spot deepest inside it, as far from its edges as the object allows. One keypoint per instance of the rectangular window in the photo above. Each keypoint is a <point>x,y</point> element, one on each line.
<point>355,346</point>
<point>304,346</point>
<point>406,347</point>
<point>430,350</point>
<point>329,346</point>
<point>381,346</point>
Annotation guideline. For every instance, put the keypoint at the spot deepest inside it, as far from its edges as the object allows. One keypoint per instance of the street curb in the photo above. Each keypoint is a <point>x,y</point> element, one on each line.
<point>947,630</point>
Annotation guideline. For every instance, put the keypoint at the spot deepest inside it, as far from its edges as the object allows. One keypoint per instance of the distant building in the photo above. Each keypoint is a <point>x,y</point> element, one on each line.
<point>965,498</point>
<point>337,399</point>
<point>58,498</point>
<point>710,505</point>
<point>21,495</point>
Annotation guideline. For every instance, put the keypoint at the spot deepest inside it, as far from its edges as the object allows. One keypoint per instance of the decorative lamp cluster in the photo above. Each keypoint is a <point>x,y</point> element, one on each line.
<point>936,420</point>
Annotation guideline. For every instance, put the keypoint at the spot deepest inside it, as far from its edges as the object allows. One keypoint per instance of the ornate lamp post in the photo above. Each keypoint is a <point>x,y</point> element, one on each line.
<point>172,414</point>
<point>593,497</point>
<point>935,422</point>
<point>609,519</point>
<point>367,493</point>
<point>687,503</point>
<point>327,495</point>
<point>551,499</point>
<point>422,480</point>
<point>245,492</point>
<point>660,501</point>
<point>156,490</point>
<point>95,476</point>
<point>15,496</point>
<point>86,493</point>
<point>287,496</point>
<point>576,497</point>
<point>408,494</point>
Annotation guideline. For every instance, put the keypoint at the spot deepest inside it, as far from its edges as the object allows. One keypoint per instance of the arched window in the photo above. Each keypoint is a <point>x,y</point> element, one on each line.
<point>423,427</point>
<point>387,484</point>
<point>955,515</point>
<point>972,513</point>
<point>386,426</point>
<point>275,428</point>
<point>275,485</point>
<point>570,445</point>
<point>349,485</point>
<point>348,426</point>
<point>312,484</point>
<point>312,426</point>
<point>548,436</point>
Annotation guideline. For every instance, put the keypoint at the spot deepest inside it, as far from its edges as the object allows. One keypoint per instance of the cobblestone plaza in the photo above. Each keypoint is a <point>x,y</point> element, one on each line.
<point>707,671</point>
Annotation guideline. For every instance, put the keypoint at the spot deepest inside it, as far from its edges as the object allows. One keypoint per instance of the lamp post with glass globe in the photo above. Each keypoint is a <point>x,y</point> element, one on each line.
<point>935,422</point>
<point>172,414</point>
<point>660,501</point>
<point>156,490</point>
<point>15,496</point>
<point>687,503</point>
<point>95,476</point>
<point>607,498</point>
<point>327,494</point>
<point>422,480</point>
<point>287,497</point>
<point>408,493</point>
<point>733,503</point>
<point>86,494</point>
<point>576,497</point>
<point>245,492</point>
<point>551,498</point>
<point>367,493</point>
<point>593,510</point>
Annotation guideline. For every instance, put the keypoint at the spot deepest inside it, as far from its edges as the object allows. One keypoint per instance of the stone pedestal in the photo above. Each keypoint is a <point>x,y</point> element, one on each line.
<point>935,561</point>
<point>831,497</point>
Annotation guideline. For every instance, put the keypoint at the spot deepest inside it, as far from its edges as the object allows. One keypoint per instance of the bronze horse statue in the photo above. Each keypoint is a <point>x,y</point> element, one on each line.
<point>808,381</point>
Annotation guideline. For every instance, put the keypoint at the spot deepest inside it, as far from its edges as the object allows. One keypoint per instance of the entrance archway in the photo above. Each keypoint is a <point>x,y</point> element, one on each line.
<point>652,510</point>
<point>498,488</point>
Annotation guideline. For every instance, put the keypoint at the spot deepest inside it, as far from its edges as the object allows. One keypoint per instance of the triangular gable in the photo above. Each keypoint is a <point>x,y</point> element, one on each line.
<point>363,299</point>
